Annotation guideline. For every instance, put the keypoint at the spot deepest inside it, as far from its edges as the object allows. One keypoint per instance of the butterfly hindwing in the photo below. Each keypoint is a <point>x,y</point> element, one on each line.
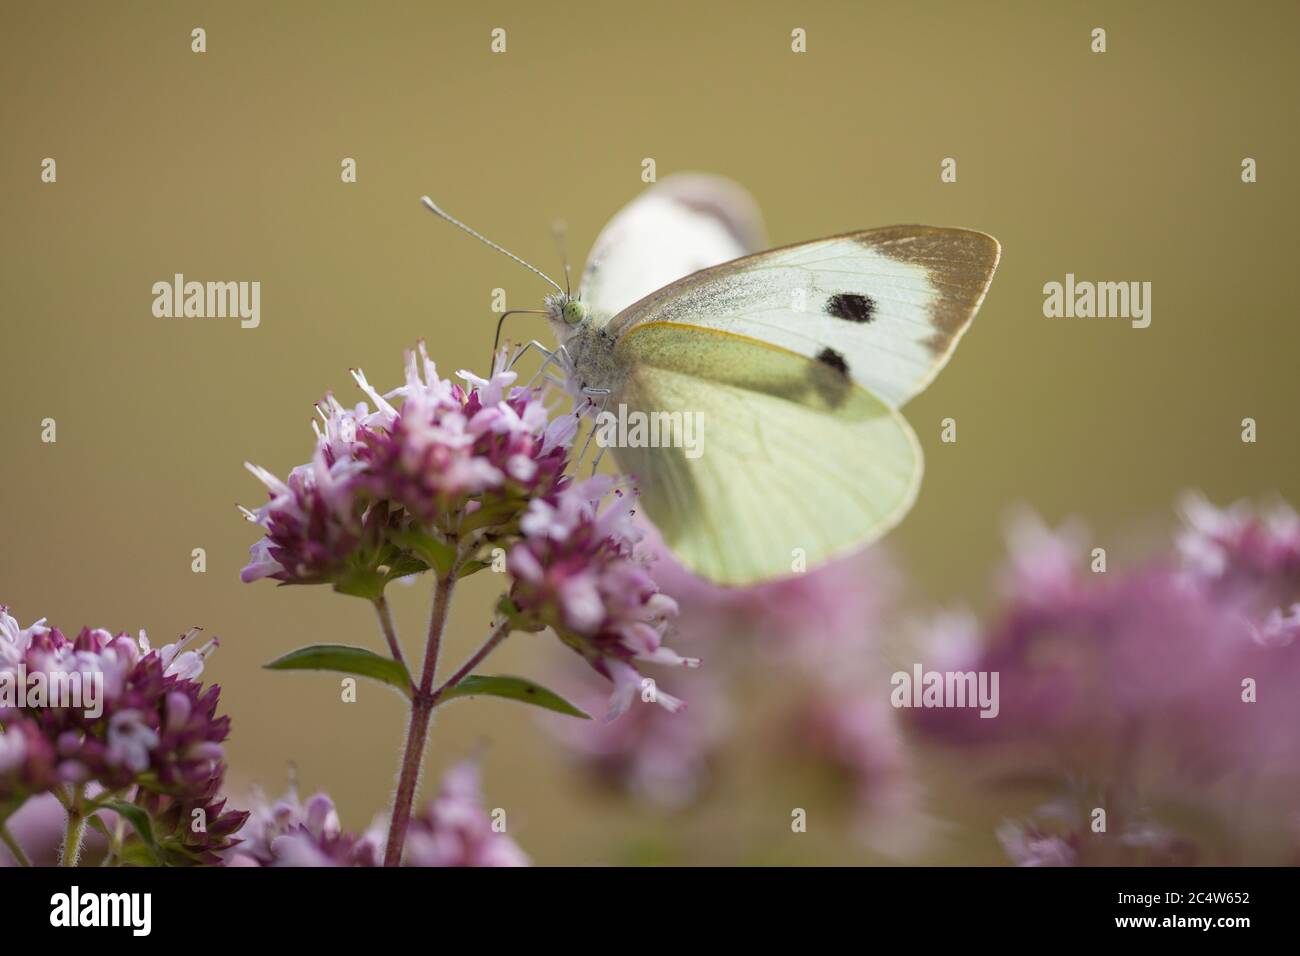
<point>887,305</point>
<point>795,462</point>
<point>684,223</point>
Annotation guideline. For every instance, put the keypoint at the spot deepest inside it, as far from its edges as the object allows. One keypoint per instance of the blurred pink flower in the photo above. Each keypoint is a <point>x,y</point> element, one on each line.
<point>289,832</point>
<point>452,830</point>
<point>818,621</point>
<point>854,733</point>
<point>1132,659</point>
<point>654,755</point>
<point>1061,833</point>
<point>1142,680</point>
<point>810,643</point>
<point>1043,564</point>
<point>1027,845</point>
<point>1240,545</point>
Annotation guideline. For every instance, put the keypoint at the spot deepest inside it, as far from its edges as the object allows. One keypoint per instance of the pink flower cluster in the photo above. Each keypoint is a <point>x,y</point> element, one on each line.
<point>796,657</point>
<point>453,829</point>
<point>454,455</point>
<point>1061,833</point>
<point>1134,681</point>
<point>1248,558</point>
<point>457,471</point>
<point>576,572</point>
<point>453,460</point>
<point>140,726</point>
<point>662,757</point>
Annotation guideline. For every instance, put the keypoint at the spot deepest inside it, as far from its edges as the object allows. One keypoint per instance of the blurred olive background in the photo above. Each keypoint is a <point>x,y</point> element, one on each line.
<point>225,166</point>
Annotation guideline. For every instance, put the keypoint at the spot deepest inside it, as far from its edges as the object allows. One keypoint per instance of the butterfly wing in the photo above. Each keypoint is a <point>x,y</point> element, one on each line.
<point>793,458</point>
<point>682,224</point>
<point>888,305</point>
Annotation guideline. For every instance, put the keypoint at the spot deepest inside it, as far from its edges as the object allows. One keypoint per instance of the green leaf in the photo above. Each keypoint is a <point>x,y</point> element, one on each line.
<point>518,622</point>
<point>137,854</point>
<point>362,583</point>
<point>498,513</point>
<point>173,852</point>
<point>405,564</point>
<point>513,688</point>
<point>138,819</point>
<point>434,552</point>
<point>472,567</point>
<point>345,660</point>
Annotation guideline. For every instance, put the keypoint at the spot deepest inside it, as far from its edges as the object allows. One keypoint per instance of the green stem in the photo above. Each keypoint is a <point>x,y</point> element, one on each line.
<point>12,844</point>
<point>498,634</point>
<point>115,840</point>
<point>74,832</point>
<point>417,730</point>
<point>386,625</point>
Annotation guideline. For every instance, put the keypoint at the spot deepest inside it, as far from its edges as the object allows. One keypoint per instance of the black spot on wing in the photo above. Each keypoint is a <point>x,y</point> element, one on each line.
<point>830,377</point>
<point>851,307</point>
<point>833,359</point>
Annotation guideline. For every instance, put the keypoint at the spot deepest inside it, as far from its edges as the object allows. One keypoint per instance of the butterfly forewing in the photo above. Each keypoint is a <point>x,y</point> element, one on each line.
<point>885,306</point>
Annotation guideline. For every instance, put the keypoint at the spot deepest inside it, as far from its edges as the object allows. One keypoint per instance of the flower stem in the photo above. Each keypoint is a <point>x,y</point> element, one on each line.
<point>418,729</point>
<point>386,625</point>
<point>437,624</point>
<point>74,832</point>
<point>498,634</point>
<point>8,839</point>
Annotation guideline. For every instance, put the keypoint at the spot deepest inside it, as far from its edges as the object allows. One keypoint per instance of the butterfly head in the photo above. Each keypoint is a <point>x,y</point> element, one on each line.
<point>565,311</point>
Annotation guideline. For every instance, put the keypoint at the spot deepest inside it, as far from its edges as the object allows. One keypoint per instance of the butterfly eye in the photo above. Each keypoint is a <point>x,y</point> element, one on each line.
<point>574,311</point>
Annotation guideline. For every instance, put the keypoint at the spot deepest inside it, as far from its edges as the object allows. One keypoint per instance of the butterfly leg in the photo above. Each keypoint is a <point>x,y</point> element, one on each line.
<point>534,344</point>
<point>589,392</point>
<point>560,356</point>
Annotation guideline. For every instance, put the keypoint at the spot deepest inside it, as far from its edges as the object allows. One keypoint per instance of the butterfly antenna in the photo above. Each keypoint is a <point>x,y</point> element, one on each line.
<point>433,208</point>
<point>558,229</point>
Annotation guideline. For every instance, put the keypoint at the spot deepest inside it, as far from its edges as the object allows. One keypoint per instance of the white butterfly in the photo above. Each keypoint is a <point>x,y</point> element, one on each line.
<point>797,359</point>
